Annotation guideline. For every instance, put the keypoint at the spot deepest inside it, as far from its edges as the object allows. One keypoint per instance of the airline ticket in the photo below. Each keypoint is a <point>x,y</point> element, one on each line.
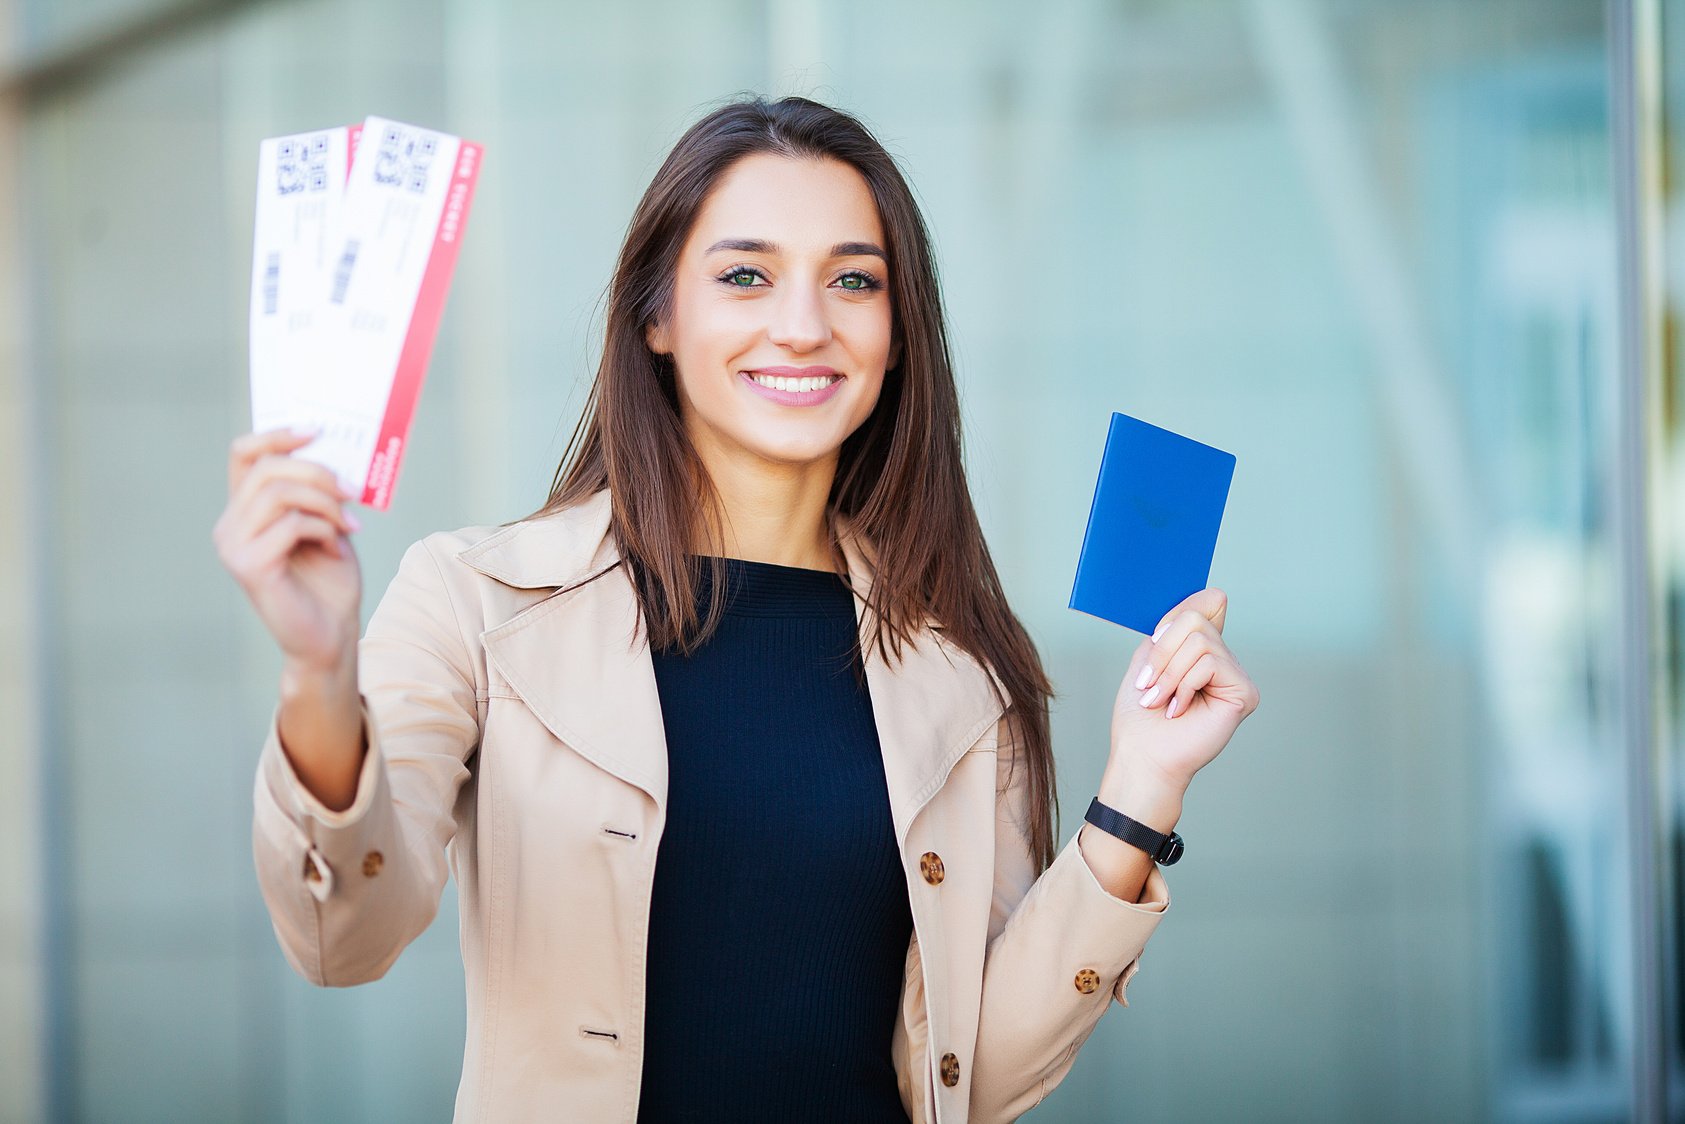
<point>300,192</point>
<point>352,364</point>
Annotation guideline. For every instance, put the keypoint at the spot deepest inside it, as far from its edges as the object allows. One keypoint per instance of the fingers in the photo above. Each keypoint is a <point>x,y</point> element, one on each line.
<point>247,449</point>
<point>269,489</point>
<point>1138,661</point>
<point>1212,672</point>
<point>1160,687</point>
<point>259,476</point>
<point>273,466</point>
<point>249,554</point>
<point>1211,604</point>
<point>1176,630</point>
<point>1188,656</point>
<point>276,497</point>
<point>285,535</point>
<point>1198,676</point>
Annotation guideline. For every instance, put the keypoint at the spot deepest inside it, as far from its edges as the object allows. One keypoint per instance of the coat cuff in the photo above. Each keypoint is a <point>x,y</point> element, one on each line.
<point>294,819</point>
<point>1126,925</point>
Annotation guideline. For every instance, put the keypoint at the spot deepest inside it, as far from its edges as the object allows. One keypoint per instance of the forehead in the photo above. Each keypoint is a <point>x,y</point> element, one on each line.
<point>799,203</point>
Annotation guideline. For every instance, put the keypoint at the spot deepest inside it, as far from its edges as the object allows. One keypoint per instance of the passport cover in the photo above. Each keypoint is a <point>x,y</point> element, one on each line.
<point>1153,526</point>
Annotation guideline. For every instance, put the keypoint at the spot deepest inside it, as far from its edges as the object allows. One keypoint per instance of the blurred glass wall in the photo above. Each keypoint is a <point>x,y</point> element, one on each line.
<point>1373,247</point>
<point>1669,507</point>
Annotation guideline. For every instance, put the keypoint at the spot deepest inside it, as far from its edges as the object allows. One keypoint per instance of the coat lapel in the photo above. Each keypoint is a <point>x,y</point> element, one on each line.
<point>931,704</point>
<point>578,658</point>
<point>582,665</point>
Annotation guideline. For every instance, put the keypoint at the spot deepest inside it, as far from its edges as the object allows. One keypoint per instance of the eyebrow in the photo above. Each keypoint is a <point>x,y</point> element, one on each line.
<point>762,246</point>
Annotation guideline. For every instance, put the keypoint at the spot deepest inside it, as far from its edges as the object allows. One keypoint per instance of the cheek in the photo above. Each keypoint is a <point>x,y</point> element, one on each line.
<point>886,335</point>
<point>866,403</point>
<point>869,328</point>
<point>711,330</point>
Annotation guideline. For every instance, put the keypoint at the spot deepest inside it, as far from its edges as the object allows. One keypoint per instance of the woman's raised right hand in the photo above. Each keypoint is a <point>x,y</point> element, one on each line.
<point>284,537</point>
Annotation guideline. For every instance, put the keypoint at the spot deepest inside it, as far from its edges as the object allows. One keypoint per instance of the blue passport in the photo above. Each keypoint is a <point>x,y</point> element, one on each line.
<point>1153,527</point>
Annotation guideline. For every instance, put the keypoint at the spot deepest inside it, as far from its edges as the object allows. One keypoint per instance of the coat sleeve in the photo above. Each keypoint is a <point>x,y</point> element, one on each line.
<point>348,890</point>
<point>1045,935</point>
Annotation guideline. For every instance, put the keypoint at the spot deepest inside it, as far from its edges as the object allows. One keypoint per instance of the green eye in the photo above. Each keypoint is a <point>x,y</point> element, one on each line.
<point>853,281</point>
<point>743,279</point>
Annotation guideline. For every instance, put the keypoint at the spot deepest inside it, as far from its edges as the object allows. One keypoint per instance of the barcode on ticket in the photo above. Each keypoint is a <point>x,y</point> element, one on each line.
<point>342,272</point>
<point>271,284</point>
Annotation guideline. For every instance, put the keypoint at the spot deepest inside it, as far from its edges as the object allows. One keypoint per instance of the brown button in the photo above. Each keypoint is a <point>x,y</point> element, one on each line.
<point>950,1070</point>
<point>311,874</point>
<point>930,865</point>
<point>1087,980</point>
<point>372,863</point>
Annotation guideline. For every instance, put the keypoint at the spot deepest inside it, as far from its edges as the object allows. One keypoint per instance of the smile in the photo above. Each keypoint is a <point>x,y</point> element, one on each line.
<point>801,386</point>
<point>806,390</point>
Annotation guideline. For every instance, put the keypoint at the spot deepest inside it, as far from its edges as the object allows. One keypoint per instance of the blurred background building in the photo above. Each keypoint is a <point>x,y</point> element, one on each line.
<point>1418,263</point>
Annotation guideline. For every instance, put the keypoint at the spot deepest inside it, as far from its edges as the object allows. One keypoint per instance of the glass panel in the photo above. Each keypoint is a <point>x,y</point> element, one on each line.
<point>159,680</point>
<point>48,27</point>
<point>1669,506</point>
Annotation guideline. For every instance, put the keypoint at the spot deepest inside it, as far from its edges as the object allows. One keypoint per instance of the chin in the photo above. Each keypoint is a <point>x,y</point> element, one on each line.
<point>791,448</point>
<point>795,454</point>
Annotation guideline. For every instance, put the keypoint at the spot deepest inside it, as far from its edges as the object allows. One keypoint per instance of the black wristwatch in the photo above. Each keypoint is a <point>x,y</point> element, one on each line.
<point>1165,849</point>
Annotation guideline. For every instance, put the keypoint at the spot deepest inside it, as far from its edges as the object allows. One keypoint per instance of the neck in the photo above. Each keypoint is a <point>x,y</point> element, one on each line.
<point>771,512</point>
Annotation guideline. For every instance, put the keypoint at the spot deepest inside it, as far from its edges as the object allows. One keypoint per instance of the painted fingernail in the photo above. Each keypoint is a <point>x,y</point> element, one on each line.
<point>1157,633</point>
<point>353,522</point>
<point>1174,707</point>
<point>1144,678</point>
<point>1147,699</point>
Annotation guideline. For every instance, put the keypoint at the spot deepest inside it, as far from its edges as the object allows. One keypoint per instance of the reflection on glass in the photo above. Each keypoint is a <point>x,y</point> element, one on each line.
<point>1670,535</point>
<point>1533,332</point>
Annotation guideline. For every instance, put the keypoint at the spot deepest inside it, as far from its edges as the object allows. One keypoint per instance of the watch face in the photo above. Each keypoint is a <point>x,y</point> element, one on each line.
<point>1172,850</point>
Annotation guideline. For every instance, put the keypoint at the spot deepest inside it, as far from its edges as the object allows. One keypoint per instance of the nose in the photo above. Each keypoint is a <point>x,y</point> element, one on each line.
<point>799,320</point>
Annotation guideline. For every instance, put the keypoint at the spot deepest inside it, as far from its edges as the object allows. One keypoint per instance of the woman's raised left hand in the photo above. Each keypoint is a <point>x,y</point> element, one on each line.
<point>1183,697</point>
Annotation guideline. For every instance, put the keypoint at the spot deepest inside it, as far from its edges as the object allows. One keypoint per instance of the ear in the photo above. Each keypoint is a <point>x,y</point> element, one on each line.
<point>655,338</point>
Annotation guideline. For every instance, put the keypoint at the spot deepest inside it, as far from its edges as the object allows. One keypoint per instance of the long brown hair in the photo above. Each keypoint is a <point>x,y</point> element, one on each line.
<point>900,480</point>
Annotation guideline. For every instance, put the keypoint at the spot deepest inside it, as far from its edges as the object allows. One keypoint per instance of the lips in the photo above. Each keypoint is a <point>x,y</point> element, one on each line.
<point>794,386</point>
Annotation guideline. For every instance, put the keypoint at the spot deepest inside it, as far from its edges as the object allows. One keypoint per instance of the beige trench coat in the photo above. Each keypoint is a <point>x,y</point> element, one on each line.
<point>515,733</point>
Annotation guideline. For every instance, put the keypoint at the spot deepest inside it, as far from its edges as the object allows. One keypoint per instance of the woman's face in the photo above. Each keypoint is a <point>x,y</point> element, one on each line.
<point>780,326</point>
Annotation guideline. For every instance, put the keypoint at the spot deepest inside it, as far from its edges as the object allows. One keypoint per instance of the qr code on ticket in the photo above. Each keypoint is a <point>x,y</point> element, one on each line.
<point>404,158</point>
<point>301,163</point>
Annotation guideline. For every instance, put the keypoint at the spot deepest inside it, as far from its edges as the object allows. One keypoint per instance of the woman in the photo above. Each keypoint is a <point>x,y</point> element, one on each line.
<point>704,871</point>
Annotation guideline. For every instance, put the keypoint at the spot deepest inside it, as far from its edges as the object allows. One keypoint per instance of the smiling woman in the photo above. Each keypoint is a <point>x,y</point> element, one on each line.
<point>741,757</point>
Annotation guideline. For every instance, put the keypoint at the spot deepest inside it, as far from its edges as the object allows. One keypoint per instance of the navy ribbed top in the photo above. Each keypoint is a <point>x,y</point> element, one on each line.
<point>779,923</point>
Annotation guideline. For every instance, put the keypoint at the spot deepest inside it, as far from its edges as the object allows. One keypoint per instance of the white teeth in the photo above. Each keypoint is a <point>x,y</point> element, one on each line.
<point>796,386</point>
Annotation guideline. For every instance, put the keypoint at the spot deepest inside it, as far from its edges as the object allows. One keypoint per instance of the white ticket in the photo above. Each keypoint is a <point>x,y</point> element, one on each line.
<point>300,191</point>
<point>379,295</point>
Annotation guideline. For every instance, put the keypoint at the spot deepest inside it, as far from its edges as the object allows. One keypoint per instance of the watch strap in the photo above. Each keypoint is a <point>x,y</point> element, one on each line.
<point>1165,849</point>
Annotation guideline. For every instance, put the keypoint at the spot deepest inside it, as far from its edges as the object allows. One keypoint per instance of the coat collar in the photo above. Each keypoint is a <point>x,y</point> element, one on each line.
<point>550,552</point>
<point>582,665</point>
